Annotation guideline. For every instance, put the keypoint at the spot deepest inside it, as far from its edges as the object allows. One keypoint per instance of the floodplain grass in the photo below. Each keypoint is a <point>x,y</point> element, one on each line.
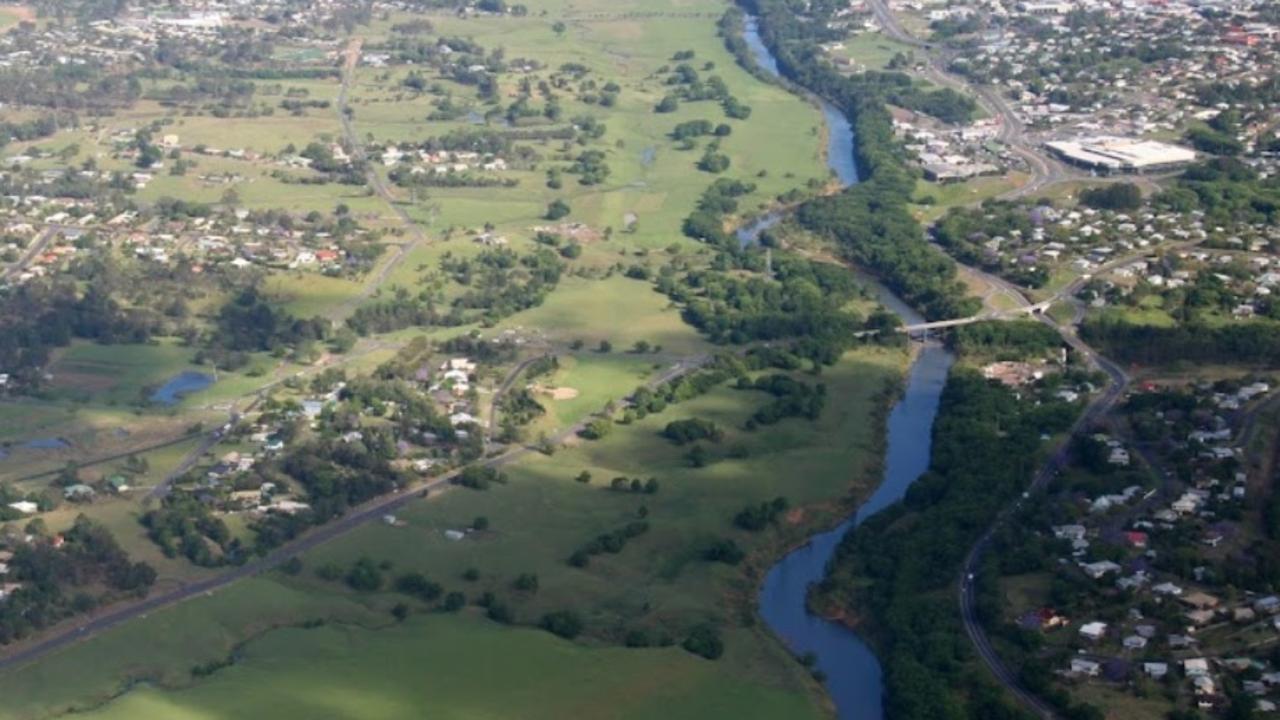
<point>457,667</point>
<point>162,647</point>
<point>777,148</point>
<point>116,374</point>
<point>11,15</point>
<point>595,379</point>
<point>941,197</point>
<point>617,309</point>
<point>659,580</point>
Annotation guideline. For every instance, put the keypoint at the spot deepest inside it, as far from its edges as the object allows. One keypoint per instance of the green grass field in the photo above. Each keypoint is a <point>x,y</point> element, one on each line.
<point>657,582</point>
<point>777,148</point>
<point>116,374</point>
<point>465,667</point>
<point>11,15</point>
<point>619,310</point>
<point>456,668</point>
<point>871,50</point>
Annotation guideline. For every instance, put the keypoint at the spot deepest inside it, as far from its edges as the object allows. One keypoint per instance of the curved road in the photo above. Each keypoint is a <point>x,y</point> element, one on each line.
<point>1097,408</point>
<point>1045,171</point>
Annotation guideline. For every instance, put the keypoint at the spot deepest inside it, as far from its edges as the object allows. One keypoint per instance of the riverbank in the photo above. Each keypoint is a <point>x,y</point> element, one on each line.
<point>894,576</point>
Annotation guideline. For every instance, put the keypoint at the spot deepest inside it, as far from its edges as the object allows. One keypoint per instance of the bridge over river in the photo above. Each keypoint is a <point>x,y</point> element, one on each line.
<point>922,330</point>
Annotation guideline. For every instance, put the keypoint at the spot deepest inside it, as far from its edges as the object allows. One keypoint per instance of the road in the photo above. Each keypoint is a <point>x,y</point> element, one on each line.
<point>120,614</point>
<point>1098,407</point>
<point>1044,170</point>
<point>36,248</point>
<point>351,59</point>
<point>505,387</point>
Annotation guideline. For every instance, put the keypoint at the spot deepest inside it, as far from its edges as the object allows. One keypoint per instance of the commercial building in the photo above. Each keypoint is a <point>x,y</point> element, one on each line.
<point>1121,155</point>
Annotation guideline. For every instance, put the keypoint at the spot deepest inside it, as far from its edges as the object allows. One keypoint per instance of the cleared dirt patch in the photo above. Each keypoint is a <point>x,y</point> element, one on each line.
<point>557,393</point>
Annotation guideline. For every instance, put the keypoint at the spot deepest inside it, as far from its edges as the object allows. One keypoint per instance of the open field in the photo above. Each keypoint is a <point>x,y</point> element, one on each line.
<point>163,647</point>
<point>658,582</point>
<point>871,50</point>
<point>11,15</point>
<point>456,667</point>
<point>777,147</point>
<point>619,310</point>
<point>116,374</point>
<point>463,666</point>
<point>933,200</point>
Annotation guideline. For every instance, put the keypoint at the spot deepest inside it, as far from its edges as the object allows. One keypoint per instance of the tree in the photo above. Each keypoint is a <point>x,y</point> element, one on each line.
<point>557,209</point>
<point>1115,196</point>
<point>704,640</point>
<point>565,623</point>
<point>558,28</point>
<point>454,602</point>
<point>364,576</point>
<point>668,104</point>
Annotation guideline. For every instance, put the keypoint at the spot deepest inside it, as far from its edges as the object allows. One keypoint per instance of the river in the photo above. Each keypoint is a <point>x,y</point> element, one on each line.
<point>853,676</point>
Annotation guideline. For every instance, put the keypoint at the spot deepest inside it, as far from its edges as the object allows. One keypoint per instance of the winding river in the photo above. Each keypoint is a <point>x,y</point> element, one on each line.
<point>852,671</point>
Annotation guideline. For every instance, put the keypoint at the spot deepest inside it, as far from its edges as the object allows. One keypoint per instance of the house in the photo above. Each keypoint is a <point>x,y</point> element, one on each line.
<point>1243,615</point>
<point>1119,456</point>
<point>26,507</point>
<point>1200,600</point>
<point>1088,668</point>
<point>1195,667</point>
<point>1096,570</point>
<point>1135,642</point>
<point>1136,539</point>
<point>1269,605</point>
<point>118,483</point>
<point>1167,588</point>
<point>79,491</point>
<point>1200,617</point>
<point>1204,685</point>
<point>1093,630</point>
<point>7,589</point>
<point>1069,532</point>
<point>1155,670</point>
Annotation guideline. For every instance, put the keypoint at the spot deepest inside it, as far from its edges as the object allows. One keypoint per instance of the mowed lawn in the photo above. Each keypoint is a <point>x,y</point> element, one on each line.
<point>456,668</point>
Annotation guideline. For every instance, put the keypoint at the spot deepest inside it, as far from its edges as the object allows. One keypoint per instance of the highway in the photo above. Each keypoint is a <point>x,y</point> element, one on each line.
<point>68,634</point>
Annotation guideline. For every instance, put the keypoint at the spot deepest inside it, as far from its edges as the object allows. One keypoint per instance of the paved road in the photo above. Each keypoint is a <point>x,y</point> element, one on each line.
<point>1100,406</point>
<point>1045,171</point>
<point>376,508</point>
<point>35,249</point>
